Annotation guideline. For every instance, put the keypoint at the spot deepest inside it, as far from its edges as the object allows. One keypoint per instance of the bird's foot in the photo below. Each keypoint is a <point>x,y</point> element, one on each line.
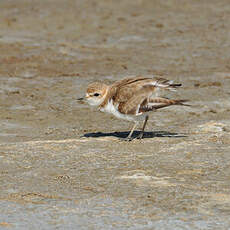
<point>140,136</point>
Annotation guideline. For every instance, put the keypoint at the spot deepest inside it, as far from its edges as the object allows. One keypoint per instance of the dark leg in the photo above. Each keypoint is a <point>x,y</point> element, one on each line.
<point>143,128</point>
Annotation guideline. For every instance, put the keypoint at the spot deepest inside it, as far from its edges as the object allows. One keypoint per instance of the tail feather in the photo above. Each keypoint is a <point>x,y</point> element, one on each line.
<point>158,103</point>
<point>181,102</point>
<point>167,84</point>
<point>175,85</point>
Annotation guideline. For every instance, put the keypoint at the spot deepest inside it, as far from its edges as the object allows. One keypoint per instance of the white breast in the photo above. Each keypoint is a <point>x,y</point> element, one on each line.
<point>110,108</point>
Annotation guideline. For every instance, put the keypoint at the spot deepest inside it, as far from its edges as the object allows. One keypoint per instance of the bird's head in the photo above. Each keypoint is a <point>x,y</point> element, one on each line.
<point>95,93</point>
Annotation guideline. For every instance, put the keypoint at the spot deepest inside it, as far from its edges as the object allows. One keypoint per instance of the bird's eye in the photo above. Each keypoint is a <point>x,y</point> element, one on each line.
<point>96,94</point>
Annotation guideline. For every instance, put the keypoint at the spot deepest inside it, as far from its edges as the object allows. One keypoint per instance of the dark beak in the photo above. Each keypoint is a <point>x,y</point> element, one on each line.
<point>81,100</point>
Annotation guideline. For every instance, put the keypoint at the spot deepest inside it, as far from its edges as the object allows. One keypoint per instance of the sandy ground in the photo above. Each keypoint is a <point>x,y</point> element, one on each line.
<point>62,165</point>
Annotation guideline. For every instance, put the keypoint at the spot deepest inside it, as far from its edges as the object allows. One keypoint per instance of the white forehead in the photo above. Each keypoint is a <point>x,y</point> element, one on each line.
<point>89,94</point>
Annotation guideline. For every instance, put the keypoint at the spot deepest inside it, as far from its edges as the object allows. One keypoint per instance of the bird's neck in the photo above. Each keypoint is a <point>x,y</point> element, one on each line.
<point>106,97</point>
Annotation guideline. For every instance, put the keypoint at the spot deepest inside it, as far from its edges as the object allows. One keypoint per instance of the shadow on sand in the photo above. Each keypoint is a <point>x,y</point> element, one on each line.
<point>135,134</point>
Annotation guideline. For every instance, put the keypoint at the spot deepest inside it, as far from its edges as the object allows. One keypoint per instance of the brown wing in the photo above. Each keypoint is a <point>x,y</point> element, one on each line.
<point>133,104</point>
<point>141,103</point>
<point>158,82</point>
<point>130,80</point>
<point>127,88</point>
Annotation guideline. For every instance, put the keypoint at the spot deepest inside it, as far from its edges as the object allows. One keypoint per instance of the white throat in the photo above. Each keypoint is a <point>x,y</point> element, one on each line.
<point>95,101</point>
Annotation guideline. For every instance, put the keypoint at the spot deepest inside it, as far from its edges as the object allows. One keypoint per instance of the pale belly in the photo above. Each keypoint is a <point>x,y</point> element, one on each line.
<point>110,108</point>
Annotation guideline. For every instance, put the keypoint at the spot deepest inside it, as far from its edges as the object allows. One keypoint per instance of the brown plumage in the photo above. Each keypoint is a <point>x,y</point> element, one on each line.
<point>132,98</point>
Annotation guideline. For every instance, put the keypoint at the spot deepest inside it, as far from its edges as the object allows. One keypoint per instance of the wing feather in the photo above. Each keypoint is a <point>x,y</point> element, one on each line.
<point>139,94</point>
<point>126,88</point>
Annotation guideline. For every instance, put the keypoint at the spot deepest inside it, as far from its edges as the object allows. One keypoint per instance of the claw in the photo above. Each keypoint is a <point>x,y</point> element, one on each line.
<point>140,136</point>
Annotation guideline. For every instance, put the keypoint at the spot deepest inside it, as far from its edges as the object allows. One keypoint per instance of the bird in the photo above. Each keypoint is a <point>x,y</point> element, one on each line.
<point>132,98</point>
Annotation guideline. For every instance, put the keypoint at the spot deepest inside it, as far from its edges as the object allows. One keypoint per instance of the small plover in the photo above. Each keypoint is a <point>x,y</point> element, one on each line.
<point>131,98</point>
